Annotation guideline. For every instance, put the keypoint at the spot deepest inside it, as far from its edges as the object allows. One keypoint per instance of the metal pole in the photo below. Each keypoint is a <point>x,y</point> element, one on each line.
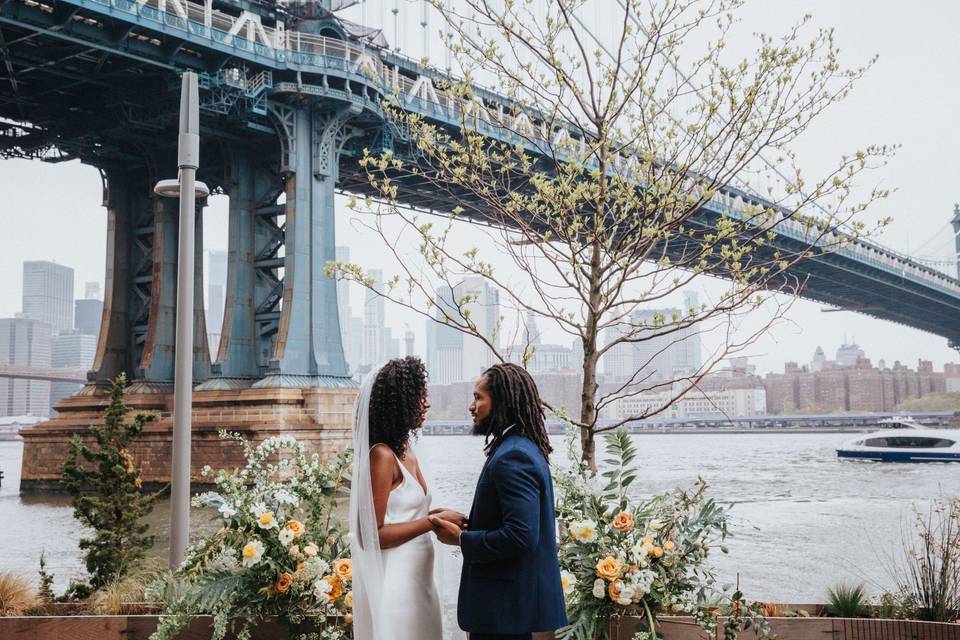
<point>188,152</point>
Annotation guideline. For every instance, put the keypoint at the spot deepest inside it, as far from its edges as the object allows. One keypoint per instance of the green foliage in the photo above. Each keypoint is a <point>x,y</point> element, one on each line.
<point>282,550</point>
<point>929,575</point>
<point>896,606</point>
<point>621,554</point>
<point>45,591</point>
<point>105,487</point>
<point>846,600</point>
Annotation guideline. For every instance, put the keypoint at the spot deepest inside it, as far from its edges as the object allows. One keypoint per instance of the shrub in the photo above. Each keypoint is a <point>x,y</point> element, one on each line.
<point>18,596</point>
<point>930,571</point>
<point>846,600</point>
<point>105,486</point>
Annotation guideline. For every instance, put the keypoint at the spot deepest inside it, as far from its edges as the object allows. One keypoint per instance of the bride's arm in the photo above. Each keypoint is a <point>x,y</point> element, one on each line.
<point>384,476</point>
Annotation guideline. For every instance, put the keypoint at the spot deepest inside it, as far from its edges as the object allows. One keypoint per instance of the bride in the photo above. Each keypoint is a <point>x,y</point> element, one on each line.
<point>394,590</point>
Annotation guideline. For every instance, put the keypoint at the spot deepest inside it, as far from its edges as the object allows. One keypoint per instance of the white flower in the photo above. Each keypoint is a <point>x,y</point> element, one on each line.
<point>285,497</point>
<point>568,580</point>
<point>265,517</point>
<point>626,595</point>
<point>321,589</point>
<point>227,511</point>
<point>286,536</point>
<point>583,530</point>
<point>224,561</point>
<point>311,550</point>
<point>252,552</point>
<point>317,567</point>
<point>599,588</point>
<point>656,525</point>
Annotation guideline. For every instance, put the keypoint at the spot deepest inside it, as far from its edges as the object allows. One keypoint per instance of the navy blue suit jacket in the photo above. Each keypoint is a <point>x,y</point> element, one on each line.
<point>511,575</point>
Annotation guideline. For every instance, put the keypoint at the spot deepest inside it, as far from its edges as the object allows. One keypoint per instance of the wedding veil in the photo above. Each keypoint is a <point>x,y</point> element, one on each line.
<point>364,534</point>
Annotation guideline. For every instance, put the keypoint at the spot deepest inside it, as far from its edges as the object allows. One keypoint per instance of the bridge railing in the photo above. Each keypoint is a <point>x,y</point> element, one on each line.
<point>248,34</point>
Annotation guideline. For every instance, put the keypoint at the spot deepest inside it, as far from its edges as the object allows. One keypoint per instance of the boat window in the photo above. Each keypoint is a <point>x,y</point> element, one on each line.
<point>910,442</point>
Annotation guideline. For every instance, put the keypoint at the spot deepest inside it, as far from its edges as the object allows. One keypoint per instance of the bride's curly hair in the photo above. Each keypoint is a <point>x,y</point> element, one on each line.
<point>398,403</point>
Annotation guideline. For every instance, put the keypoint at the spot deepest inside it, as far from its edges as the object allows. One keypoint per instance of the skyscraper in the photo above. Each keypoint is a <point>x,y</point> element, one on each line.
<point>48,294</point>
<point>343,311</point>
<point>87,317</point>
<point>650,356</point>
<point>374,319</point>
<point>452,355</point>
<point>24,342</point>
<point>70,351</point>
<point>216,297</point>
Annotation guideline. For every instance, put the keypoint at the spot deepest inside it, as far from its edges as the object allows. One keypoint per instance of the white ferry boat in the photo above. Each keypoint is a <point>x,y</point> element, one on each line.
<point>904,440</point>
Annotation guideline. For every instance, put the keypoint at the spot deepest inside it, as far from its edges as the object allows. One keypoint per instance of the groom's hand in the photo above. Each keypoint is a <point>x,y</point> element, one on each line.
<point>450,515</point>
<point>447,532</point>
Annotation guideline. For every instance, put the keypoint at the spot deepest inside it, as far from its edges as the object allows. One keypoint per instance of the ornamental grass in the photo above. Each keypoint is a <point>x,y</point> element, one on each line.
<point>18,595</point>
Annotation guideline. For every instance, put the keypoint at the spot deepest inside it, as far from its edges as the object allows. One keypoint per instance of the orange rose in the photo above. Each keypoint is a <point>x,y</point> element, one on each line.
<point>296,528</point>
<point>614,590</point>
<point>336,587</point>
<point>623,522</point>
<point>609,568</point>
<point>343,568</point>
<point>656,552</point>
<point>283,582</point>
<point>348,599</point>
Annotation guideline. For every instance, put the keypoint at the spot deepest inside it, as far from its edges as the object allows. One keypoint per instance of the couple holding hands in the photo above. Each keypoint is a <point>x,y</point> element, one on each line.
<point>510,582</point>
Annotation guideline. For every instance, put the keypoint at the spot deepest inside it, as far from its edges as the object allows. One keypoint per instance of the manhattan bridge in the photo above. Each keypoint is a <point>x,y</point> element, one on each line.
<point>289,101</point>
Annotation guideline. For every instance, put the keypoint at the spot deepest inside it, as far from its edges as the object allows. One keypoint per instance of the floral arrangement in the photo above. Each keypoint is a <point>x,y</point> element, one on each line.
<point>622,555</point>
<point>282,550</point>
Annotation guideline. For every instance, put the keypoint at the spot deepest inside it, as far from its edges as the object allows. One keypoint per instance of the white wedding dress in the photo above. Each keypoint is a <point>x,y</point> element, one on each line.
<point>409,601</point>
<point>394,591</point>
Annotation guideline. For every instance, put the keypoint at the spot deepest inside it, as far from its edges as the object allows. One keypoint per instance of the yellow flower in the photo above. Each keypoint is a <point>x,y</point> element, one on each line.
<point>656,552</point>
<point>609,568</point>
<point>647,541</point>
<point>252,552</point>
<point>296,527</point>
<point>623,522</point>
<point>343,569</point>
<point>567,581</point>
<point>265,520</point>
<point>668,545</point>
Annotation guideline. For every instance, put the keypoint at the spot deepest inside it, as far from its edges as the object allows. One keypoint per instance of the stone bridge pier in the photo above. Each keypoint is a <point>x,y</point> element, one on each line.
<point>280,367</point>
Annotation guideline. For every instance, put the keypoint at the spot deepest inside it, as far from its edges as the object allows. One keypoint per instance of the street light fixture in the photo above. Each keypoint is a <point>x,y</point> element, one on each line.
<point>188,159</point>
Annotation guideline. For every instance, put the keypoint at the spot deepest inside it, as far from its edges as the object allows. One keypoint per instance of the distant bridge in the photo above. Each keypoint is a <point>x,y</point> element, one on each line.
<point>49,374</point>
<point>289,104</point>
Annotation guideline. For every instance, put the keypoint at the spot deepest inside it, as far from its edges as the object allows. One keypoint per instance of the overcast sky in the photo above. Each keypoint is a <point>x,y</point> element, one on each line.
<point>911,98</point>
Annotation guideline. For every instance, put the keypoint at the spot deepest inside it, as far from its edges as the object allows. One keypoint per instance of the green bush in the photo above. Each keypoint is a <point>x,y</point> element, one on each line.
<point>846,600</point>
<point>105,486</point>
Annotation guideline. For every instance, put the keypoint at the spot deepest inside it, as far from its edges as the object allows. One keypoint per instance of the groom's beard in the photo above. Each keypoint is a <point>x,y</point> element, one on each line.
<point>482,427</point>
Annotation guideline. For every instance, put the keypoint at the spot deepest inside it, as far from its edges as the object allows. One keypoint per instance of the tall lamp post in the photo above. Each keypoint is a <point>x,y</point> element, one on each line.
<point>188,190</point>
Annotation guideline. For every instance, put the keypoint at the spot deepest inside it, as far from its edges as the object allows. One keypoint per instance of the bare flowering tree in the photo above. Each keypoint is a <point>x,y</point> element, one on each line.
<point>609,176</point>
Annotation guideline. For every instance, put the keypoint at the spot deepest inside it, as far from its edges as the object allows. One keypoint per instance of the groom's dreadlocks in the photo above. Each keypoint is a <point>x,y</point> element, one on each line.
<point>516,401</point>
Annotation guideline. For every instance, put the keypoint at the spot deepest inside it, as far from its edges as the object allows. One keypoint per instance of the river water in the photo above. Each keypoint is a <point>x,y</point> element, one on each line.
<point>802,519</point>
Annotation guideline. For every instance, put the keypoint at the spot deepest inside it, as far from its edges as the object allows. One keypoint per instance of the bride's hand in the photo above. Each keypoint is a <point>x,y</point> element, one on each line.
<point>449,515</point>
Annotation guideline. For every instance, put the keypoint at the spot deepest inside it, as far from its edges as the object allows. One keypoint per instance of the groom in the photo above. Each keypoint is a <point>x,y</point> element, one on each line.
<point>510,585</point>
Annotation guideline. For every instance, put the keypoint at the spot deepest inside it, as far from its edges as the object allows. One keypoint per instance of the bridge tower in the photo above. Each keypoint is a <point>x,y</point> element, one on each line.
<point>279,367</point>
<point>956,233</point>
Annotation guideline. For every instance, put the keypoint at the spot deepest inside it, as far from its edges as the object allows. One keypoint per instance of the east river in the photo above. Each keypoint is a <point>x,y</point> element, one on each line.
<point>802,519</point>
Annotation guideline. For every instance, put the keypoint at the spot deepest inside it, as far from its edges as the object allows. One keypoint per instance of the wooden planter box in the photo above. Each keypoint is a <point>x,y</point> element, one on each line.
<point>131,627</point>
<point>684,628</point>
